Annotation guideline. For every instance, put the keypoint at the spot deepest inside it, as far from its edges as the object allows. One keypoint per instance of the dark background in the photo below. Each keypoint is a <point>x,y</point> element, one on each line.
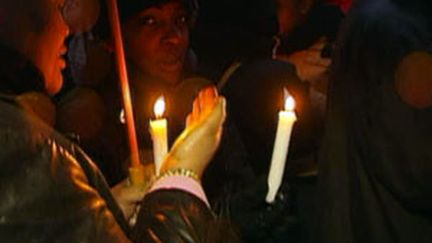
<point>230,30</point>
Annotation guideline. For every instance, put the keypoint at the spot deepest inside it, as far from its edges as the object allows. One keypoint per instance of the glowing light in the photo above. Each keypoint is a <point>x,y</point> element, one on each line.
<point>289,101</point>
<point>159,107</point>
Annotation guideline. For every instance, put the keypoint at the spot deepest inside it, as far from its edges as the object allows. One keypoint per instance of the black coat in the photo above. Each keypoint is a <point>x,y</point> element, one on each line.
<point>51,191</point>
<point>376,160</point>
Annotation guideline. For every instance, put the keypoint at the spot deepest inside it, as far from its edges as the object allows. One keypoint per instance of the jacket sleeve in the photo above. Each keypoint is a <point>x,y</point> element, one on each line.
<point>45,194</point>
<point>177,216</point>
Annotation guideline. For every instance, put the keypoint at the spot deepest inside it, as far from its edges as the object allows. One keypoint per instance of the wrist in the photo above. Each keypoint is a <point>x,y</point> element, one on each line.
<point>179,172</point>
<point>172,163</point>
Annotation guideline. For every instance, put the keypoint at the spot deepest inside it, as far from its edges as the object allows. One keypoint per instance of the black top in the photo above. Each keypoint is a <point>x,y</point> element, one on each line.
<point>376,159</point>
<point>323,20</point>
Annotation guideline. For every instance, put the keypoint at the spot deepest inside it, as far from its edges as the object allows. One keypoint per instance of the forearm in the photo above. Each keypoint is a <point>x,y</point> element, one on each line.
<point>172,215</point>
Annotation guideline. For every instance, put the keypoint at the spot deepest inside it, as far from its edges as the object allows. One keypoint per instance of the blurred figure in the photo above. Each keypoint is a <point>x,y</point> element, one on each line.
<point>50,190</point>
<point>375,163</point>
<point>303,23</point>
<point>307,29</point>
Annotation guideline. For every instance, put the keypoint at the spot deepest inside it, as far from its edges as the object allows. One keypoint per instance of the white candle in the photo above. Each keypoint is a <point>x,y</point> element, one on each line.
<point>286,121</point>
<point>159,133</point>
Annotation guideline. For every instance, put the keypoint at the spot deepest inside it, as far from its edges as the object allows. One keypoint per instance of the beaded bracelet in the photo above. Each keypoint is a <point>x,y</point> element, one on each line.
<point>179,172</point>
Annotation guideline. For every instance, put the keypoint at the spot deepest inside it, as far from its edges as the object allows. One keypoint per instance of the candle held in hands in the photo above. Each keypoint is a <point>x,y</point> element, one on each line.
<point>159,134</point>
<point>286,121</point>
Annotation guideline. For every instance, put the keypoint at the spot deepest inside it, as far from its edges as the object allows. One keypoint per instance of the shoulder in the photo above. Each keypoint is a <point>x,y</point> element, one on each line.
<point>22,133</point>
<point>16,124</point>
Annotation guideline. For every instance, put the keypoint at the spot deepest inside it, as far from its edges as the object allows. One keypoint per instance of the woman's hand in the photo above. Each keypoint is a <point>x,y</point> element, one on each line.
<point>195,147</point>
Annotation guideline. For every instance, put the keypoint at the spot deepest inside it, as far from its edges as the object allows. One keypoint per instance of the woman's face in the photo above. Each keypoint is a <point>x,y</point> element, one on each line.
<point>157,40</point>
<point>48,45</point>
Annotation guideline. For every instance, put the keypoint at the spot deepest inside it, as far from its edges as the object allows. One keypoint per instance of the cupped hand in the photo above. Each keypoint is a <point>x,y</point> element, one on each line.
<point>197,144</point>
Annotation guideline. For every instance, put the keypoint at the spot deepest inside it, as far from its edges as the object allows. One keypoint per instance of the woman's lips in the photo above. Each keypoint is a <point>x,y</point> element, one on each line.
<point>62,63</point>
<point>61,59</point>
<point>171,66</point>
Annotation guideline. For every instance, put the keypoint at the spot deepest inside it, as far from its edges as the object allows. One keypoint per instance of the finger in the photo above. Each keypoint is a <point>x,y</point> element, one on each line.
<point>208,97</point>
<point>205,102</point>
<point>212,90</point>
<point>195,111</point>
<point>217,115</point>
<point>189,120</point>
<point>201,99</point>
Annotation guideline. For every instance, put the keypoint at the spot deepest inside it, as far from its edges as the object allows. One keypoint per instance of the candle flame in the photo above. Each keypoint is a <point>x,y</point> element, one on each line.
<point>289,101</point>
<point>159,107</point>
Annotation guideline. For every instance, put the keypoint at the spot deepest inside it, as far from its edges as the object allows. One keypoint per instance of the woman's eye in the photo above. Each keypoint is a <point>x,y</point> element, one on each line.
<point>182,20</point>
<point>148,21</point>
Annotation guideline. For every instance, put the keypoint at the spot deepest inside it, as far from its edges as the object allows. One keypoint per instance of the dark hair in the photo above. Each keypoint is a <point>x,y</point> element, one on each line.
<point>132,7</point>
<point>36,10</point>
<point>129,8</point>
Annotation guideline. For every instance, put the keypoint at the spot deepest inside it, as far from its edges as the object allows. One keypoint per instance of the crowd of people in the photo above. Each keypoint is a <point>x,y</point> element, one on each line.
<point>359,162</point>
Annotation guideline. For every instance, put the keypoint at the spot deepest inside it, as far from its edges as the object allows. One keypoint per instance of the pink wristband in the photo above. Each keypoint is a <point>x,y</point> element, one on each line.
<point>183,183</point>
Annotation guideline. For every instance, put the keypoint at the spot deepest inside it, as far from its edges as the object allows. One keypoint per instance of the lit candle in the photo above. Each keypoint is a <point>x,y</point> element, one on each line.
<point>158,131</point>
<point>286,121</point>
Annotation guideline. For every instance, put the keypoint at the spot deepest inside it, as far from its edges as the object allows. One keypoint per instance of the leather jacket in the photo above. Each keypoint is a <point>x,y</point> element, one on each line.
<point>52,192</point>
<point>176,216</point>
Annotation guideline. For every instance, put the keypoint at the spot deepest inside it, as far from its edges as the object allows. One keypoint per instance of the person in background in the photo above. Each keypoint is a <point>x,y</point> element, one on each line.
<point>156,35</point>
<point>255,93</point>
<point>375,163</point>
<point>254,90</point>
<point>307,29</point>
<point>160,62</point>
<point>51,190</point>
